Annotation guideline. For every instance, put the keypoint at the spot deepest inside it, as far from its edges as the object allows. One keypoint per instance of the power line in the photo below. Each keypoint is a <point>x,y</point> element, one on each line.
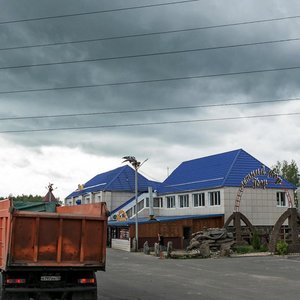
<point>150,123</point>
<point>123,83</point>
<point>97,12</point>
<point>148,54</point>
<point>149,109</point>
<point>149,33</point>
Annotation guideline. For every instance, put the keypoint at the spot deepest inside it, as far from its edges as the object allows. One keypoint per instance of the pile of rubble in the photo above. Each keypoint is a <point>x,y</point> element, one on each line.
<point>211,242</point>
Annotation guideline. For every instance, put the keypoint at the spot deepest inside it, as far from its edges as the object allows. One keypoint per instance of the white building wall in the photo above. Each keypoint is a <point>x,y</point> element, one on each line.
<point>258,205</point>
<point>118,198</point>
<point>191,210</point>
<point>178,211</point>
<point>112,199</point>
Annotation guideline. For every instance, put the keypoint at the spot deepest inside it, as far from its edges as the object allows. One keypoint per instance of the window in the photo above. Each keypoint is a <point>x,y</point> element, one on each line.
<point>158,202</point>
<point>184,201</point>
<point>199,199</point>
<point>129,213</point>
<point>214,198</point>
<point>171,202</point>
<point>147,202</point>
<point>281,201</point>
<point>141,205</point>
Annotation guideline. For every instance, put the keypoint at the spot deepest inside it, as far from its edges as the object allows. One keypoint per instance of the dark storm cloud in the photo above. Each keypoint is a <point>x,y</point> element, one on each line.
<point>152,95</point>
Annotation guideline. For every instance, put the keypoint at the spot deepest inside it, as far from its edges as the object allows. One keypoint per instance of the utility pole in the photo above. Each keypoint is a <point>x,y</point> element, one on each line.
<point>136,165</point>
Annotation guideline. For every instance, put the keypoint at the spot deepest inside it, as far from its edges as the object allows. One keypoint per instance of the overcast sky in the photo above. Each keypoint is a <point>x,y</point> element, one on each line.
<point>126,74</point>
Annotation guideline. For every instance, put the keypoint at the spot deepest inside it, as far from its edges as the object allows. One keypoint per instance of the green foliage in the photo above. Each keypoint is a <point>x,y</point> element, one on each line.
<point>288,171</point>
<point>255,242</point>
<point>263,248</point>
<point>244,249</point>
<point>282,247</point>
<point>28,198</point>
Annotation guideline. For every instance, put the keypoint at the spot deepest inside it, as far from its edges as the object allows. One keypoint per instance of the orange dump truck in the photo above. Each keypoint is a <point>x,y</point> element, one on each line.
<point>51,255</point>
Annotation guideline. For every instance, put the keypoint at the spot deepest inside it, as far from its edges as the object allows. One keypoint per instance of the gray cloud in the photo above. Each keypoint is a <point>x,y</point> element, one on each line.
<point>149,95</point>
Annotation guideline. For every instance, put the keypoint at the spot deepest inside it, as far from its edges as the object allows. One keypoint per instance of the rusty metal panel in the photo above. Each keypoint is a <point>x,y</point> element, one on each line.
<point>56,239</point>
<point>95,209</point>
<point>5,217</point>
<point>71,238</point>
<point>48,239</point>
<point>93,241</point>
<point>22,247</point>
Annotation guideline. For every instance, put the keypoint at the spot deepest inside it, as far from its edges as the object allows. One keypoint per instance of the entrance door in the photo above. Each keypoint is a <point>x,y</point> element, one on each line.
<point>187,234</point>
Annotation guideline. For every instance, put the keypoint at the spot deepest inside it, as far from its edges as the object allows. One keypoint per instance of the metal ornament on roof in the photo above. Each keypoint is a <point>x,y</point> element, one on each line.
<point>131,159</point>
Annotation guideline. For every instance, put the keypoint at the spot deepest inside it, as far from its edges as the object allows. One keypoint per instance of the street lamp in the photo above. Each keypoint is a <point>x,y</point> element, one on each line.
<point>136,164</point>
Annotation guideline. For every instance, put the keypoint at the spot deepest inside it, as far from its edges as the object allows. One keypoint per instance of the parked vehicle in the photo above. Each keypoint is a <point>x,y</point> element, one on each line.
<point>51,255</point>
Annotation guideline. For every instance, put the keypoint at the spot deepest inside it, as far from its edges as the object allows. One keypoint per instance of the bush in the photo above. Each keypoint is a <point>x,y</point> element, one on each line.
<point>263,248</point>
<point>244,249</point>
<point>256,241</point>
<point>282,247</point>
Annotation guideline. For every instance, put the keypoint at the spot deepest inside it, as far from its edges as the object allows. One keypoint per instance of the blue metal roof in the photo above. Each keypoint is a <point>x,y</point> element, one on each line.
<point>161,219</point>
<point>120,179</point>
<point>225,169</point>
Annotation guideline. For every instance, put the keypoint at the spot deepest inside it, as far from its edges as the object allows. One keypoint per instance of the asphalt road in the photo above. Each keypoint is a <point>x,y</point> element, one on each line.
<point>135,276</point>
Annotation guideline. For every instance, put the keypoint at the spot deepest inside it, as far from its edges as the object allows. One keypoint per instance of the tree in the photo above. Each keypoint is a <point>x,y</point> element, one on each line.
<point>288,171</point>
<point>28,198</point>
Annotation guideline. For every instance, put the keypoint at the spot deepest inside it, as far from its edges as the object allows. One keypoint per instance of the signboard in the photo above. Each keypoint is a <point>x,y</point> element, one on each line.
<point>256,182</point>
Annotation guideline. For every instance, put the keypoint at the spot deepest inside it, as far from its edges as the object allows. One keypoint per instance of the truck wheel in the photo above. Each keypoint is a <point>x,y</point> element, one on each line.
<point>85,295</point>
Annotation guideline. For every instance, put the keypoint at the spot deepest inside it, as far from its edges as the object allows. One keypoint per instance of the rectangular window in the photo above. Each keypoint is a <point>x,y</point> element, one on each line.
<point>281,201</point>
<point>199,199</point>
<point>171,202</point>
<point>158,202</point>
<point>214,198</point>
<point>184,201</point>
<point>141,205</point>
<point>147,202</point>
<point>129,213</point>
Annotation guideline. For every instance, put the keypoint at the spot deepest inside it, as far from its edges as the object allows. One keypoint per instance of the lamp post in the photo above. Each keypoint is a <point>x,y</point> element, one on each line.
<point>136,164</point>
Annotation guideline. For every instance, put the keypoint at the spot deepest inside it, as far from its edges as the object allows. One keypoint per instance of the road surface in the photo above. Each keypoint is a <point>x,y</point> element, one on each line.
<point>135,276</point>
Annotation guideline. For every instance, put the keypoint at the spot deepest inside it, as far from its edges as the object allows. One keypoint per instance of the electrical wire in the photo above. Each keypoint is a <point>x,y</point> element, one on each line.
<point>149,33</point>
<point>98,12</point>
<point>148,54</point>
<point>150,123</point>
<point>123,83</point>
<point>148,109</point>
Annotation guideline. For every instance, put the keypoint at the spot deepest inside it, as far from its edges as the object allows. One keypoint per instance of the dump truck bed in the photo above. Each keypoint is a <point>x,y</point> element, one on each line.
<point>73,236</point>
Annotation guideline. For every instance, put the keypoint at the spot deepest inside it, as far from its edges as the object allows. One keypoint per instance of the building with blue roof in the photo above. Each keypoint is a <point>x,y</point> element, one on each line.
<point>212,184</point>
<point>199,193</point>
<point>114,187</point>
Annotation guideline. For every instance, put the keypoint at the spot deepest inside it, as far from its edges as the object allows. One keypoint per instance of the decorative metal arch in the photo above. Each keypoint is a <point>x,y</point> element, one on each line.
<point>237,217</point>
<point>293,217</point>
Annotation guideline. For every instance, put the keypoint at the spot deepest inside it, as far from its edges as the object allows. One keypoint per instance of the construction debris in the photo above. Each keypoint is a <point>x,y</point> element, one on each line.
<point>211,241</point>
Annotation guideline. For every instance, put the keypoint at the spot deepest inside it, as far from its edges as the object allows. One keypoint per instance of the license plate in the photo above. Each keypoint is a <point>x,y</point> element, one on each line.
<point>51,278</point>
